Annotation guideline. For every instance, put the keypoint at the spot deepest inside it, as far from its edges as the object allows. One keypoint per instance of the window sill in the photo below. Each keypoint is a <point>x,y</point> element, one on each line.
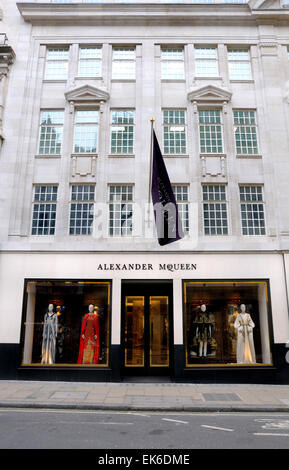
<point>175,155</point>
<point>253,234</point>
<point>123,80</point>
<point>48,156</point>
<point>257,156</point>
<point>172,80</point>
<point>54,80</point>
<point>92,154</point>
<point>241,81</point>
<point>208,78</point>
<point>121,155</point>
<point>89,78</point>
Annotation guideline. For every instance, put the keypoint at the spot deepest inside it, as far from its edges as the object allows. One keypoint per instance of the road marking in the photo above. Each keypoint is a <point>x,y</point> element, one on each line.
<point>269,434</point>
<point>217,428</point>
<point>94,422</point>
<point>175,421</point>
<point>273,424</point>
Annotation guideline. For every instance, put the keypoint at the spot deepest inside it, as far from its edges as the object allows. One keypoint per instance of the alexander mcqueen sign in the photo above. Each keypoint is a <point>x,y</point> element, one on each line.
<point>146,267</point>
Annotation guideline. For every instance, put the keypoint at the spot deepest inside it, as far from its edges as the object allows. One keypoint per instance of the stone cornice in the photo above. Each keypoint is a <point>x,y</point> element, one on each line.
<point>125,13</point>
<point>142,13</point>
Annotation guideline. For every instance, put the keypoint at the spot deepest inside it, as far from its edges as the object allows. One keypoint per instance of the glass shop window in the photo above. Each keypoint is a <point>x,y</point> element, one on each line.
<point>66,323</point>
<point>226,323</point>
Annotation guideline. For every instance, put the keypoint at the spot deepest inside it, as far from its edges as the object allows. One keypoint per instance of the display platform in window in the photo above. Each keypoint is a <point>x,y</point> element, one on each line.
<point>227,323</point>
<point>66,323</point>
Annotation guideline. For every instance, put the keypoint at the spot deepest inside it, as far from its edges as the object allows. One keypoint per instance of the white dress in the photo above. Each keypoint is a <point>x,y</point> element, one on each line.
<point>245,342</point>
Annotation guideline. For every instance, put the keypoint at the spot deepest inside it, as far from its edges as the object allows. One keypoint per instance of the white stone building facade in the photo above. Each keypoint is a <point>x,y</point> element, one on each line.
<point>82,85</point>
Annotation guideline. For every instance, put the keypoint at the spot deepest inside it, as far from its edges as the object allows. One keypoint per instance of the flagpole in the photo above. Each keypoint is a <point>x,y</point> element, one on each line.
<point>151,158</point>
<point>150,173</point>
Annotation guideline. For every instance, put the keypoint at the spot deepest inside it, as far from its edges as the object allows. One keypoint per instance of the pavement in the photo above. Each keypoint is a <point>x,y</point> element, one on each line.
<point>136,396</point>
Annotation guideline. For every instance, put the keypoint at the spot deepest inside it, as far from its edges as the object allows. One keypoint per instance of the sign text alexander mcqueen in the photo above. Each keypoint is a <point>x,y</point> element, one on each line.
<point>146,267</point>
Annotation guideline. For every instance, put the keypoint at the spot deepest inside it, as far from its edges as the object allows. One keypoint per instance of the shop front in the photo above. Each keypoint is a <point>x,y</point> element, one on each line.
<point>78,316</point>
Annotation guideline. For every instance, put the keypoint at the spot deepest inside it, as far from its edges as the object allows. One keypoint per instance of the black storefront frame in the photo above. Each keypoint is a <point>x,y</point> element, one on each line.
<point>155,371</point>
<point>65,372</point>
<point>227,373</point>
<point>277,373</point>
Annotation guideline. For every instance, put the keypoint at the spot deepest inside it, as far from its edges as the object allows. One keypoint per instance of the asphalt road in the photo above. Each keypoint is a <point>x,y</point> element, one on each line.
<point>53,429</point>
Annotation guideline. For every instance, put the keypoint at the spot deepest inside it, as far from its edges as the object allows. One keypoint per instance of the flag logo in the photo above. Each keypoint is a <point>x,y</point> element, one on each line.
<point>167,219</point>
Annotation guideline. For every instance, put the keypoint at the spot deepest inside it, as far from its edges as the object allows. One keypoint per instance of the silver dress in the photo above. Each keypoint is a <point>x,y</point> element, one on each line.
<point>50,329</point>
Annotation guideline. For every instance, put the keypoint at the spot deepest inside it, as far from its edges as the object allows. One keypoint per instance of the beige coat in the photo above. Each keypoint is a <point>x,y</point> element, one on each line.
<point>245,342</point>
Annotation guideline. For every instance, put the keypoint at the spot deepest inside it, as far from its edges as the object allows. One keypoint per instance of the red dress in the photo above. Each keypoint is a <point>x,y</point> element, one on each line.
<point>89,345</point>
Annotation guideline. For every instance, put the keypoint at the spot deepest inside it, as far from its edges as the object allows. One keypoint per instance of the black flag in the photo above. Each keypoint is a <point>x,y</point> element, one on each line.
<point>168,223</point>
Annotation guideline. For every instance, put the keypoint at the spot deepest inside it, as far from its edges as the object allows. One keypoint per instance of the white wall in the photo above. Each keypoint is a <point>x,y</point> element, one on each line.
<point>15,267</point>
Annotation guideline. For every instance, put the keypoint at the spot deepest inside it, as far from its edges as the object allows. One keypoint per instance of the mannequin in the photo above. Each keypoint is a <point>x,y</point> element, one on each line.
<point>203,331</point>
<point>50,331</point>
<point>245,343</point>
<point>89,337</point>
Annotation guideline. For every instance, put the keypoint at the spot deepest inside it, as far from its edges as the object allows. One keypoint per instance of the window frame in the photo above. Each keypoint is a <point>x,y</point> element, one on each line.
<point>183,211</point>
<point>80,125</point>
<point>247,203</point>
<point>175,132</point>
<point>129,149</point>
<point>30,284</point>
<point>57,125</point>
<point>82,60</point>
<point>112,227</point>
<point>123,60</point>
<point>210,125</point>
<point>213,202</point>
<point>81,202</point>
<point>235,283</point>
<point>199,61</point>
<point>166,73</point>
<point>45,203</point>
<point>243,126</point>
<point>56,60</point>
<point>239,49</point>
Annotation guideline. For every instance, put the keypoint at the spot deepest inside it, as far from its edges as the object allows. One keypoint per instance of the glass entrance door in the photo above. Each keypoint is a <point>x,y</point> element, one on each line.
<point>134,332</point>
<point>159,331</point>
<point>146,333</point>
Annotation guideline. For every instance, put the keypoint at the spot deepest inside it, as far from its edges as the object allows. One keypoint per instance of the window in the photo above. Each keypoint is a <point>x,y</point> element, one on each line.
<point>211,135</point>
<point>120,210</point>
<point>56,63</point>
<point>215,311</point>
<point>90,61</point>
<point>182,200</point>
<point>206,62</point>
<point>174,124</point>
<point>86,131</point>
<point>51,128</point>
<point>215,210</point>
<point>44,210</point>
<point>123,63</point>
<point>172,63</point>
<point>245,128</point>
<point>81,209</point>
<point>58,313</point>
<point>122,132</point>
<point>252,210</point>
<point>239,64</point>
